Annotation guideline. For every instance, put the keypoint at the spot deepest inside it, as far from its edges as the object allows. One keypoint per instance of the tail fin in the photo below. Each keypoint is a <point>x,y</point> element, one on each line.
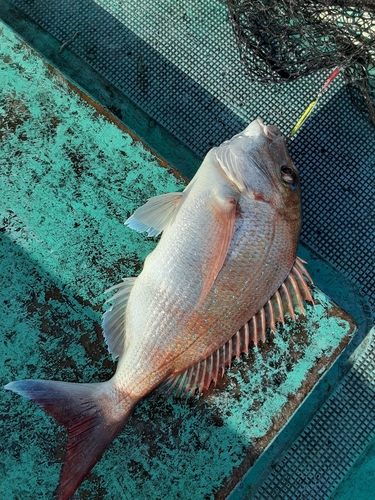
<point>91,416</point>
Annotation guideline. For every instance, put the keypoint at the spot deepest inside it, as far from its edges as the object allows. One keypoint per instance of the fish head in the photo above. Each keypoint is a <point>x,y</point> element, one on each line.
<point>257,162</point>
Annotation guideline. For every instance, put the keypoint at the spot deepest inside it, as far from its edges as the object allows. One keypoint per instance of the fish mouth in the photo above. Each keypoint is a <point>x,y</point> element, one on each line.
<point>257,127</point>
<point>246,150</point>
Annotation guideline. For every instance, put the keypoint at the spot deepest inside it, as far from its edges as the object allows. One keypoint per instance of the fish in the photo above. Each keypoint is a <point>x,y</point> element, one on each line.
<point>224,270</point>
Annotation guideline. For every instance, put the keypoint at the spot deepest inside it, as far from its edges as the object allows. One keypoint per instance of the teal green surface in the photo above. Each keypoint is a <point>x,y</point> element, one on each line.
<point>75,68</point>
<point>359,483</point>
<point>69,178</point>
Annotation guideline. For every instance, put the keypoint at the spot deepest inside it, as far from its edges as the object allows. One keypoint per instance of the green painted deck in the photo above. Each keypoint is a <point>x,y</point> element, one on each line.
<point>70,175</point>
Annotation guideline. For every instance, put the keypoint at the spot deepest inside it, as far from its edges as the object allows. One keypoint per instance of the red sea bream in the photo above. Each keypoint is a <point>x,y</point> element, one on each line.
<point>224,270</point>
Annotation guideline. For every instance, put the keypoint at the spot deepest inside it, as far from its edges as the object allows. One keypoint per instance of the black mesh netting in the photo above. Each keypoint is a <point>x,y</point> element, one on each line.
<point>282,40</point>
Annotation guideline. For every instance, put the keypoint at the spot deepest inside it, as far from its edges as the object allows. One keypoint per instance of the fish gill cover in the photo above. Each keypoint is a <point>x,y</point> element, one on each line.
<point>281,41</point>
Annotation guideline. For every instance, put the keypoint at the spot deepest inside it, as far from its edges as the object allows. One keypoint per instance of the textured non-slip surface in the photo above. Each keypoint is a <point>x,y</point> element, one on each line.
<point>329,446</point>
<point>179,62</point>
<point>69,177</point>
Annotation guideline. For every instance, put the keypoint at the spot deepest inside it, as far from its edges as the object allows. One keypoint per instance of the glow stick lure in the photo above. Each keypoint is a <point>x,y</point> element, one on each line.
<point>312,104</point>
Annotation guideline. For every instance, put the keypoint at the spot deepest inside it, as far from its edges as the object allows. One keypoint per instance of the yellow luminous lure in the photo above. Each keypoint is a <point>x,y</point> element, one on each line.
<point>312,104</point>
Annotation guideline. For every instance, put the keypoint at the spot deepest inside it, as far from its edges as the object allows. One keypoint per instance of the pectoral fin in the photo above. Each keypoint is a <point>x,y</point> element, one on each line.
<point>219,237</point>
<point>156,214</point>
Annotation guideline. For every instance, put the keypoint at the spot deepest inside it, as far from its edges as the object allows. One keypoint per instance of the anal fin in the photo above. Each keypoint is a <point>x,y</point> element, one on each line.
<point>286,299</point>
<point>113,323</point>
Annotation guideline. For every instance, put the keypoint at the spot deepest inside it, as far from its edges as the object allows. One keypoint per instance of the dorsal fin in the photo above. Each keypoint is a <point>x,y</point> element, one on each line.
<point>287,298</point>
<point>156,214</point>
<point>113,323</point>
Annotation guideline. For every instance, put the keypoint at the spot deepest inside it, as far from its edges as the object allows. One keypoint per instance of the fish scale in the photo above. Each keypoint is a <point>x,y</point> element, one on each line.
<point>155,328</point>
<point>227,326</point>
<point>201,375</point>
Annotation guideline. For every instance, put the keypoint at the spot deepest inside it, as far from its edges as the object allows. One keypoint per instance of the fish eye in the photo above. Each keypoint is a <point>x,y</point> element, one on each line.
<point>289,176</point>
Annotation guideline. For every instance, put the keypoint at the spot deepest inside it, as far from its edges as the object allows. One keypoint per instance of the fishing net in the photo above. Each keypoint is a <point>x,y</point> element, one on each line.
<point>282,40</point>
